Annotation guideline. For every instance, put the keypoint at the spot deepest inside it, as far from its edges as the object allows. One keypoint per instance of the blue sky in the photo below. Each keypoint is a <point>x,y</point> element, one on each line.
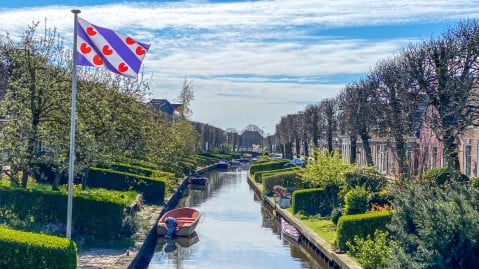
<point>252,62</point>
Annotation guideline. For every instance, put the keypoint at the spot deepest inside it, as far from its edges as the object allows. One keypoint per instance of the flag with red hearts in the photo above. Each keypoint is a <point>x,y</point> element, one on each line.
<point>102,47</point>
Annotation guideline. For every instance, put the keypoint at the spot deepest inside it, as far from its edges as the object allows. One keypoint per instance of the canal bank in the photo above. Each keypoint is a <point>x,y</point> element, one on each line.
<point>312,239</point>
<point>138,255</point>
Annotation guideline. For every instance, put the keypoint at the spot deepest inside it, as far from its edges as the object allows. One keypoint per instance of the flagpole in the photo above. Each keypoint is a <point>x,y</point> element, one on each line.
<point>72,127</point>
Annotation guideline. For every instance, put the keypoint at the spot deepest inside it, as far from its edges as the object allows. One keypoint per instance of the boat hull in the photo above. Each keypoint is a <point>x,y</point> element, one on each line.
<point>197,180</point>
<point>288,230</point>
<point>187,220</point>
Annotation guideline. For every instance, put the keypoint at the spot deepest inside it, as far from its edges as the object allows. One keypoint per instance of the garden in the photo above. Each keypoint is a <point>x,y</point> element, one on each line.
<point>430,222</point>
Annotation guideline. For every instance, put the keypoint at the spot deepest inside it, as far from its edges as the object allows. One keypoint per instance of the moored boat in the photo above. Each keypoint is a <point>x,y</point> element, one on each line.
<point>187,219</point>
<point>223,164</point>
<point>197,179</point>
<point>287,229</point>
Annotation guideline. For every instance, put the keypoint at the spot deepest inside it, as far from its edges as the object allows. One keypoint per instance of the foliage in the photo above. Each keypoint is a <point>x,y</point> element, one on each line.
<point>365,176</point>
<point>371,253</point>
<point>287,179</point>
<point>266,166</point>
<point>99,212</point>
<point>435,226</point>
<point>20,249</point>
<point>152,188</point>
<point>360,225</point>
<point>315,201</point>
<point>327,169</point>
<point>440,176</point>
<point>356,201</point>
<point>336,214</point>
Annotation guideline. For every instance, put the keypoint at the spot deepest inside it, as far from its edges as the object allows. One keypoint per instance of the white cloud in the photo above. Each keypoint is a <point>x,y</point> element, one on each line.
<point>252,62</point>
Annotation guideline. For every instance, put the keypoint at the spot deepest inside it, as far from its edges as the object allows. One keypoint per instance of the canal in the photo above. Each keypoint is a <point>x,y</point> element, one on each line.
<point>235,231</point>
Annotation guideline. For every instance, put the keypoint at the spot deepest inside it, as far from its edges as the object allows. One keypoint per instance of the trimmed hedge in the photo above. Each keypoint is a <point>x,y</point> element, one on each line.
<point>258,176</point>
<point>361,225</point>
<point>286,179</point>
<point>269,165</point>
<point>315,201</point>
<point>153,189</point>
<point>30,250</point>
<point>97,213</point>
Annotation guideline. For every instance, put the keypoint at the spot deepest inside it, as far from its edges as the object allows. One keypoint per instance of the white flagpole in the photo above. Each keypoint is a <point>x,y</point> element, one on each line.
<point>72,127</point>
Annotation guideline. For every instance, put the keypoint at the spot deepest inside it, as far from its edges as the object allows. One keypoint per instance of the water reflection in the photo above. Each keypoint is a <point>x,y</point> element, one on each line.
<point>235,231</point>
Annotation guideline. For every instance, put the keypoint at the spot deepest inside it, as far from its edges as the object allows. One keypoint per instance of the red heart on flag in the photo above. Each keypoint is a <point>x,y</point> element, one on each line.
<point>97,60</point>
<point>90,31</point>
<point>84,48</point>
<point>129,40</point>
<point>122,67</point>
<point>107,50</point>
<point>140,50</point>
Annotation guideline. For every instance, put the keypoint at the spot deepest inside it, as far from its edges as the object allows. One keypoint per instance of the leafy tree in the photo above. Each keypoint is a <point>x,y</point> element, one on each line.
<point>35,98</point>
<point>327,169</point>
<point>371,253</point>
<point>435,226</point>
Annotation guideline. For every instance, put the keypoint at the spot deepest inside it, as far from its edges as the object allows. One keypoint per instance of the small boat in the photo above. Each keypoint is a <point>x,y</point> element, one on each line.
<point>187,219</point>
<point>223,164</point>
<point>235,163</point>
<point>197,179</point>
<point>289,230</point>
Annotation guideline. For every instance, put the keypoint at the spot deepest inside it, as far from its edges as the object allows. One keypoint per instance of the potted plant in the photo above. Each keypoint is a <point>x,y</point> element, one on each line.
<point>284,200</point>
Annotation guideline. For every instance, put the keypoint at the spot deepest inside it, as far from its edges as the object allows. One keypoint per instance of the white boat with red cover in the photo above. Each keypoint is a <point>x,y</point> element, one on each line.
<point>287,229</point>
<point>187,219</point>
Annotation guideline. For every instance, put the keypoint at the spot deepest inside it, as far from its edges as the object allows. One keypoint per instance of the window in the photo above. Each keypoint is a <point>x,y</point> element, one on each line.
<point>467,159</point>
<point>434,157</point>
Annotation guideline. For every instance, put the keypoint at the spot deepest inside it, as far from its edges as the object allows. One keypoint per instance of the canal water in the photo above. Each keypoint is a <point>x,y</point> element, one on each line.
<point>235,231</point>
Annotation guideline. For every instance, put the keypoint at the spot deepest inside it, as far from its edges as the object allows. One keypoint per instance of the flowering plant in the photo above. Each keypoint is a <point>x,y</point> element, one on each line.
<point>279,190</point>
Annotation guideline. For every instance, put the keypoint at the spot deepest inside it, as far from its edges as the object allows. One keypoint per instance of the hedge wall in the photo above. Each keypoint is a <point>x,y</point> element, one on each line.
<point>258,176</point>
<point>269,165</point>
<point>30,250</point>
<point>361,225</point>
<point>315,201</point>
<point>286,179</point>
<point>153,189</point>
<point>97,214</point>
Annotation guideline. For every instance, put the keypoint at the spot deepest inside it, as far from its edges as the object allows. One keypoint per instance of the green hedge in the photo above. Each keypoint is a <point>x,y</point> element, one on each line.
<point>315,201</point>
<point>30,250</point>
<point>361,225</point>
<point>269,165</point>
<point>286,179</point>
<point>153,189</point>
<point>258,176</point>
<point>97,213</point>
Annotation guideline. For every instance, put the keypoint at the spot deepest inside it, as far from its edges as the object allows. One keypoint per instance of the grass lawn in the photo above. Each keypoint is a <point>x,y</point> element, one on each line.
<point>322,226</point>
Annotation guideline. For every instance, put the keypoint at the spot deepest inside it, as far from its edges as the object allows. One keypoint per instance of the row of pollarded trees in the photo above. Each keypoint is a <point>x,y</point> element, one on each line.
<point>113,122</point>
<point>391,100</point>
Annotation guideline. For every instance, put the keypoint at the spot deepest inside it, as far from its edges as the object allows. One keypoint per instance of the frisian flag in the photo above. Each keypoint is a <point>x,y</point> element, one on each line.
<point>102,47</point>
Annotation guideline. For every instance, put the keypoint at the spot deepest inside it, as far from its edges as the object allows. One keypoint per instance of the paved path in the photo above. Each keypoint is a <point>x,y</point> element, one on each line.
<point>100,258</point>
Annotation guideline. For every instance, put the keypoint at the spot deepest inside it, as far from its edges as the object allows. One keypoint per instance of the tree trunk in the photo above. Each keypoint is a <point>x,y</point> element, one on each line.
<point>402,158</point>
<point>367,148</point>
<point>353,155</point>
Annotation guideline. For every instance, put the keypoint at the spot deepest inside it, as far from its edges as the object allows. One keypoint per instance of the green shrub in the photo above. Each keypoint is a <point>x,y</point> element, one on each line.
<point>29,250</point>
<point>365,176</point>
<point>97,213</point>
<point>475,182</point>
<point>267,166</point>
<point>315,201</point>
<point>356,201</point>
<point>286,179</point>
<point>336,214</point>
<point>360,225</point>
<point>371,253</point>
<point>441,176</point>
<point>153,189</point>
